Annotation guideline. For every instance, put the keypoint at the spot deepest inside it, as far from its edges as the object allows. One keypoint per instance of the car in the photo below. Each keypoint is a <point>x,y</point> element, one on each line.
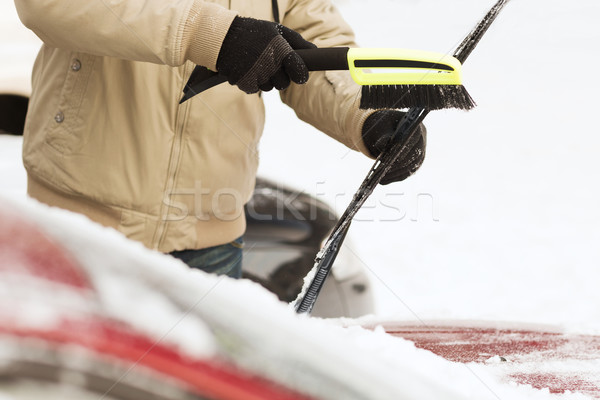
<point>87,313</point>
<point>285,230</point>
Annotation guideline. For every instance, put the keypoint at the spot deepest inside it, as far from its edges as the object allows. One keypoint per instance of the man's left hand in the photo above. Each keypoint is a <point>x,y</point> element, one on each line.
<point>377,134</point>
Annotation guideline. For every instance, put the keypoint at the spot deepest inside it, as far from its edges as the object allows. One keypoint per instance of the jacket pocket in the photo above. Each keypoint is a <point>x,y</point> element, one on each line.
<point>66,133</point>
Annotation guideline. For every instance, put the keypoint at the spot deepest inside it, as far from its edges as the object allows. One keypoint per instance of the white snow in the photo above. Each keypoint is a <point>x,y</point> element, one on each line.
<point>501,223</point>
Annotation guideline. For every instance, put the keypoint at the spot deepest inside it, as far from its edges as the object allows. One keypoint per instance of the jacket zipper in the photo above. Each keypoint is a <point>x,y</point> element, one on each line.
<point>175,158</point>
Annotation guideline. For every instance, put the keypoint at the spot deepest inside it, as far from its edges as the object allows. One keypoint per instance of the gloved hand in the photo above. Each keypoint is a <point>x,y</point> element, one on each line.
<point>259,55</point>
<point>377,133</point>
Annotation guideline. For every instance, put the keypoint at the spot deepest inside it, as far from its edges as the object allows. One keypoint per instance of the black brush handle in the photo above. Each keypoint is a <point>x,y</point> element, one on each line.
<point>201,79</point>
<point>324,59</point>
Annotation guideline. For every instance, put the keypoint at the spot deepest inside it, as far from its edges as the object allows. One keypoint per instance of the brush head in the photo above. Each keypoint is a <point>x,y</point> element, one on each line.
<point>432,97</point>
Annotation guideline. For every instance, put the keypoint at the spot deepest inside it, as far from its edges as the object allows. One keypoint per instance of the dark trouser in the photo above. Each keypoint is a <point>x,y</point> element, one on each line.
<point>225,259</point>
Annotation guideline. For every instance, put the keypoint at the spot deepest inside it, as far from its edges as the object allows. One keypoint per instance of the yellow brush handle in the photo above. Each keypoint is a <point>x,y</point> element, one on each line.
<point>403,67</point>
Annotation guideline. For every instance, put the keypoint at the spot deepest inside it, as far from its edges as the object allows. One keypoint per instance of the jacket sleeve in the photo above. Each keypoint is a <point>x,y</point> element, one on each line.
<point>329,101</point>
<point>158,31</point>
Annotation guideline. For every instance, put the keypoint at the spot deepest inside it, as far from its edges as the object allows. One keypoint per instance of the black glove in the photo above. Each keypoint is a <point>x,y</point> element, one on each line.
<point>377,133</point>
<point>259,55</point>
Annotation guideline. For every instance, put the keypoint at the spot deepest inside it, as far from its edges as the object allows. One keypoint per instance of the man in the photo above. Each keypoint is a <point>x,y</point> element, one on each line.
<point>105,134</point>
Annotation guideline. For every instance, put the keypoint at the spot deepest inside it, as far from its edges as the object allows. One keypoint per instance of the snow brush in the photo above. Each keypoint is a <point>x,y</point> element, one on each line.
<point>390,78</point>
<point>405,132</point>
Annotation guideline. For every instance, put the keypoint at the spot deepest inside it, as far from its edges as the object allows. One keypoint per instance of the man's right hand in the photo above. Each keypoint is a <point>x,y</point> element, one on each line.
<point>259,55</point>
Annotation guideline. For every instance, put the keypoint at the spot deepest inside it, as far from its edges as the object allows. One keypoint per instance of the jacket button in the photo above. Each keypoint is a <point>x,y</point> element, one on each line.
<point>76,65</point>
<point>59,117</point>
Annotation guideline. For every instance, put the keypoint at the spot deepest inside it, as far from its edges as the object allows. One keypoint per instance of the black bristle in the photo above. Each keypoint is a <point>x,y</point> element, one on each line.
<point>433,97</point>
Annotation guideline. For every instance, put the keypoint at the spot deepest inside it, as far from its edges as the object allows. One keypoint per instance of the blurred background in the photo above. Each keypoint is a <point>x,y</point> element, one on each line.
<point>503,219</point>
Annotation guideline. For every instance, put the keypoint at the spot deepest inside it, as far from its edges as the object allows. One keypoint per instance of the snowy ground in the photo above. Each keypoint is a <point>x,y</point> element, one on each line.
<point>502,221</point>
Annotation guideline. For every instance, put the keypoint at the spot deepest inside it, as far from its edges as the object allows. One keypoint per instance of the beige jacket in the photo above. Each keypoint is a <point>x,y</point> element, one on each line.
<point>106,137</point>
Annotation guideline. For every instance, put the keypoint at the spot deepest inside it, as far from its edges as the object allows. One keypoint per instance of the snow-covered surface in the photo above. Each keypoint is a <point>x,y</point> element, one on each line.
<point>175,305</point>
<point>501,223</point>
